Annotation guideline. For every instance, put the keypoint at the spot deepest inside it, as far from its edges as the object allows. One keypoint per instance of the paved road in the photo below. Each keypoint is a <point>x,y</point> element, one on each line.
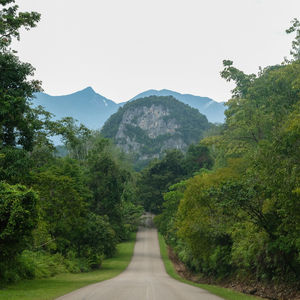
<point>144,279</point>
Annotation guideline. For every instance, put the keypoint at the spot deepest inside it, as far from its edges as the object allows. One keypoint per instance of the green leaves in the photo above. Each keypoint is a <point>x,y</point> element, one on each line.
<point>158,177</point>
<point>18,217</point>
<point>242,218</point>
<point>295,27</point>
<point>11,22</point>
<point>19,123</point>
<point>78,207</point>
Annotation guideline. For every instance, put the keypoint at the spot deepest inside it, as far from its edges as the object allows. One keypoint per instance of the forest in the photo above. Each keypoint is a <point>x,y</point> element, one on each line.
<point>57,214</point>
<point>228,207</point>
<point>238,215</point>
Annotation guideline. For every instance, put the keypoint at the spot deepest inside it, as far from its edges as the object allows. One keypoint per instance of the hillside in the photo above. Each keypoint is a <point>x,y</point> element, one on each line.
<point>214,111</point>
<point>148,126</point>
<point>86,106</point>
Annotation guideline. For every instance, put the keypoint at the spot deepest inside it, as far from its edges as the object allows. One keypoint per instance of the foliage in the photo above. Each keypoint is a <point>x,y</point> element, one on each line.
<point>18,217</point>
<point>15,165</point>
<point>166,220</point>
<point>11,21</point>
<point>295,27</point>
<point>242,219</point>
<point>96,239</point>
<point>216,290</point>
<point>160,175</point>
<point>58,213</point>
<point>61,284</point>
<point>197,158</point>
<point>18,121</point>
<point>62,202</point>
<point>157,178</point>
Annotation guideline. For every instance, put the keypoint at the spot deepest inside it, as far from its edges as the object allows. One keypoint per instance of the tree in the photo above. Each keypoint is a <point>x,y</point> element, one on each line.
<point>15,166</point>
<point>158,177</point>
<point>295,52</point>
<point>78,139</point>
<point>18,217</point>
<point>63,200</point>
<point>107,180</point>
<point>241,219</point>
<point>11,22</point>
<point>166,221</point>
<point>96,239</point>
<point>258,107</point>
<point>197,157</point>
<point>18,122</point>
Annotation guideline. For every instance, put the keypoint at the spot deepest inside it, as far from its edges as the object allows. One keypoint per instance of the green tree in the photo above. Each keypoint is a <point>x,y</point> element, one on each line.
<point>18,122</point>
<point>18,218</point>
<point>63,201</point>
<point>15,166</point>
<point>197,157</point>
<point>11,21</point>
<point>106,183</point>
<point>259,106</point>
<point>77,139</point>
<point>158,177</point>
<point>96,239</point>
<point>295,27</point>
<point>166,221</point>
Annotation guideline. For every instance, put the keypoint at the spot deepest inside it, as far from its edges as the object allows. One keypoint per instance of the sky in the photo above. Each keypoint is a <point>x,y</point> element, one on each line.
<point>122,48</point>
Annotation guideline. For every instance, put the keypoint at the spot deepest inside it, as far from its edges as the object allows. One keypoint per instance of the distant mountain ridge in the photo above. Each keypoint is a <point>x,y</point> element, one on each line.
<point>86,106</point>
<point>214,111</point>
<point>93,109</point>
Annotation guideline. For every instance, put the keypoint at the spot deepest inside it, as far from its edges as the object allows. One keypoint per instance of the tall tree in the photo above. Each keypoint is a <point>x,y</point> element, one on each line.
<point>158,177</point>
<point>18,122</point>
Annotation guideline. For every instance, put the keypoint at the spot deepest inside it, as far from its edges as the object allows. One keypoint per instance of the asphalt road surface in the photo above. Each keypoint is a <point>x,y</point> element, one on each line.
<point>144,279</point>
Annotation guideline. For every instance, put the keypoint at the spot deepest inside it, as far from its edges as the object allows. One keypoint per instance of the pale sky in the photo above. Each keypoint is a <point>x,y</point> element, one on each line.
<point>124,47</point>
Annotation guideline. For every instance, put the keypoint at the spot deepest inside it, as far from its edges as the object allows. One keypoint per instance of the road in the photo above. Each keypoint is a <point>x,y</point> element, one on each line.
<point>144,279</point>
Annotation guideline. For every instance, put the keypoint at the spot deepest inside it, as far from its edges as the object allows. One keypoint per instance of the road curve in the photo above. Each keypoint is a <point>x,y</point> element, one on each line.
<point>144,279</point>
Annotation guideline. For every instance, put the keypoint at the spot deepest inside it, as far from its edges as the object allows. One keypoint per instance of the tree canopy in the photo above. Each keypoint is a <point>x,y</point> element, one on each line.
<point>241,219</point>
<point>70,212</point>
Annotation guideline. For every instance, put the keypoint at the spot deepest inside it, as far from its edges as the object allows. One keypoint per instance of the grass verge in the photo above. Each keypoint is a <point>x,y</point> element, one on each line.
<point>219,291</point>
<point>51,288</point>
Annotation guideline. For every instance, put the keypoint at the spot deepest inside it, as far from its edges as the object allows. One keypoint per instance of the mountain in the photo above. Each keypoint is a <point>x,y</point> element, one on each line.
<point>213,110</point>
<point>86,106</point>
<point>92,109</point>
<point>148,126</point>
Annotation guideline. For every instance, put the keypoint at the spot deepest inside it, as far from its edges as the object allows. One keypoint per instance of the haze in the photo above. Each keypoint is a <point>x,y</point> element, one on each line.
<point>121,48</point>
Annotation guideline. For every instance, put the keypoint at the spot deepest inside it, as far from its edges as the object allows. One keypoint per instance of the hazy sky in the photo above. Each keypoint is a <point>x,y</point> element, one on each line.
<point>123,47</point>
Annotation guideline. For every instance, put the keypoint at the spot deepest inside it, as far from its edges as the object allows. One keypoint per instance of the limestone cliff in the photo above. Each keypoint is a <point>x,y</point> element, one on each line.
<point>148,126</point>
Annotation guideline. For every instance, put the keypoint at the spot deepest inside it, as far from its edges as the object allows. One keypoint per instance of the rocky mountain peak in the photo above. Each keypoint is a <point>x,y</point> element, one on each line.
<point>147,127</point>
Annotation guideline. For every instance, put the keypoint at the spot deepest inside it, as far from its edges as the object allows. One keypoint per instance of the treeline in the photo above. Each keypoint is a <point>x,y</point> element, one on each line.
<point>57,214</point>
<point>240,217</point>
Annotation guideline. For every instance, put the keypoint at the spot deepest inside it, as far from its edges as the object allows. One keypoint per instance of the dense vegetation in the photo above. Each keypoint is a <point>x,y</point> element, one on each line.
<point>241,218</point>
<point>160,175</point>
<point>229,206</point>
<point>189,126</point>
<point>56,214</point>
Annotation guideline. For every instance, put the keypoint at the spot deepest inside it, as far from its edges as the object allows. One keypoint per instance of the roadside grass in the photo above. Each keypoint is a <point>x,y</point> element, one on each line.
<point>219,291</point>
<point>51,288</point>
